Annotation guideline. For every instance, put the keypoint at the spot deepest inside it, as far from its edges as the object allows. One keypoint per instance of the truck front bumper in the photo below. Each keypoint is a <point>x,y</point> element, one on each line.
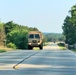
<point>34,44</point>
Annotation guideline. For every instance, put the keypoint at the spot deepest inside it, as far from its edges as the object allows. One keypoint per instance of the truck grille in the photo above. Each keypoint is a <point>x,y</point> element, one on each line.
<point>34,41</point>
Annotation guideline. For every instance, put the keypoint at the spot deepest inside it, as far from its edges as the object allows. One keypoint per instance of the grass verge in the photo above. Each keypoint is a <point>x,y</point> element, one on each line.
<point>74,50</point>
<point>62,48</point>
<point>2,51</point>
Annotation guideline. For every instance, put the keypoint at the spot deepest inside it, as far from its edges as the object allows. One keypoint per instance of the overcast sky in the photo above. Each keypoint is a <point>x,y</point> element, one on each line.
<point>46,15</point>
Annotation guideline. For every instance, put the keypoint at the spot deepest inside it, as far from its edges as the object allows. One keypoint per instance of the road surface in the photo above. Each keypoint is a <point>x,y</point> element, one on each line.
<point>50,61</point>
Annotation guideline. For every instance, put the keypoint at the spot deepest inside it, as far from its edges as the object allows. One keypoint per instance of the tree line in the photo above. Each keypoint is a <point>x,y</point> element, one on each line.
<point>69,26</point>
<point>14,35</point>
<point>54,37</point>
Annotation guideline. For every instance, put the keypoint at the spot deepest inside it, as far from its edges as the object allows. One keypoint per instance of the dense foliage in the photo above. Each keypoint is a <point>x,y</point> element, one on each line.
<point>2,33</point>
<point>16,35</point>
<point>69,27</point>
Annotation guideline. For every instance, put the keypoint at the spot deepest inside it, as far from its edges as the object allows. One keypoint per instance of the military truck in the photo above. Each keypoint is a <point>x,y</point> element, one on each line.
<point>35,39</point>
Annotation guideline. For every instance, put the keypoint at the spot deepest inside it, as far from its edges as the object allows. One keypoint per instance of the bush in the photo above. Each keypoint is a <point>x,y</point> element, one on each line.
<point>2,51</point>
<point>61,44</point>
<point>11,45</point>
<point>19,38</point>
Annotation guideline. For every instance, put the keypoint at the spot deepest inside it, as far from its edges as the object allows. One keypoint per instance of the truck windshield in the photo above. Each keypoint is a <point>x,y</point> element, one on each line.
<point>31,36</point>
<point>37,36</point>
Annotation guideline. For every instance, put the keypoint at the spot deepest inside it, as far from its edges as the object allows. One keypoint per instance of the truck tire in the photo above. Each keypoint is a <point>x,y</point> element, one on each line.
<point>41,47</point>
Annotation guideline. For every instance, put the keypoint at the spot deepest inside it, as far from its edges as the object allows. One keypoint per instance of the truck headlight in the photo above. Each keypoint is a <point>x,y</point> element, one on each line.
<point>29,43</point>
<point>38,43</point>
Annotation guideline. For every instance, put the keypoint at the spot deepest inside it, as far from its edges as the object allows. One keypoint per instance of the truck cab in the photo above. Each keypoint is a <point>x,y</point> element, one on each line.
<point>35,39</point>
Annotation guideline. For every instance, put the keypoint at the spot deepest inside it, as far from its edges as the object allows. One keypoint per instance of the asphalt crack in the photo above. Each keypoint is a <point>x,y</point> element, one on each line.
<point>15,66</point>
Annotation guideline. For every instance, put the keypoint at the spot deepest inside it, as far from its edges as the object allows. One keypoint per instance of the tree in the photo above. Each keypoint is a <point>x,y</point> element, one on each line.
<point>9,26</point>
<point>69,27</point>
<point>2,33</point>
<point>17,34</point>
<point>33,29</point>
<point>54,37</point>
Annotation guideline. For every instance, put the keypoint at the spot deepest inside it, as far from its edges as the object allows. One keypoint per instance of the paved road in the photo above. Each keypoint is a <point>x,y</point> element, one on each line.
<point>51,46</point>
<point>41,62</point>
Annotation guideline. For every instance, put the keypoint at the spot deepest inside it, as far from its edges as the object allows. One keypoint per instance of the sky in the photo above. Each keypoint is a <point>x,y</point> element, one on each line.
<point>46,15</point>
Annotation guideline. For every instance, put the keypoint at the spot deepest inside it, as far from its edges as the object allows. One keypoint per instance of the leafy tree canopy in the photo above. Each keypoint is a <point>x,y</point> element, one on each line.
<point>69,26</point>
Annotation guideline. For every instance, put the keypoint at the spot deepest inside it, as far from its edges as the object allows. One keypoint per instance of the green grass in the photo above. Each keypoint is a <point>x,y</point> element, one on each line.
<point>74,50</point>
<point>35,48</point>
<point>2,51</point>
<point>62,48</point>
